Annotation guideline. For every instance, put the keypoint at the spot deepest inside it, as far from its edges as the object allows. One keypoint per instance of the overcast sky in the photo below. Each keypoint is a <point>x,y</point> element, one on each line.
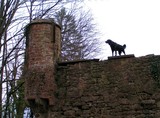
<point>133,22</point>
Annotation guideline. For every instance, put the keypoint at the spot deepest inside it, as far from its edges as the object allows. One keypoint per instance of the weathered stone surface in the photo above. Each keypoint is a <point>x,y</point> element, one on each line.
<point>117,88</point>
<point>121,57</point>
<point>42,52</point>
<point>120,87</point>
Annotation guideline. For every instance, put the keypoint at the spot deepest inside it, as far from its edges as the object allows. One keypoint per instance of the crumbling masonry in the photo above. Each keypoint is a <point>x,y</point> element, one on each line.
<point>123,87</point>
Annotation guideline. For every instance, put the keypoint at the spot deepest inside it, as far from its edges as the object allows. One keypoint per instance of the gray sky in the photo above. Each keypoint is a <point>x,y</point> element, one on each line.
<point>133,22</point>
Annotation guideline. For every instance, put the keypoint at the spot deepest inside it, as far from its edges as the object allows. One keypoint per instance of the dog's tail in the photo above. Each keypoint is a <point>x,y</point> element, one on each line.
<point>124,46</point>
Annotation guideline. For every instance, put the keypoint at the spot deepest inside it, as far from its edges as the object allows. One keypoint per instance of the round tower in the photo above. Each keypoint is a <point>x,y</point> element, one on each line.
<point>43,42</point>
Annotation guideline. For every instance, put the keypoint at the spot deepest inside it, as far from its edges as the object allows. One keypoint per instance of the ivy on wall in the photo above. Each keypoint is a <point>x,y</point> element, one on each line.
<point>155,72</point>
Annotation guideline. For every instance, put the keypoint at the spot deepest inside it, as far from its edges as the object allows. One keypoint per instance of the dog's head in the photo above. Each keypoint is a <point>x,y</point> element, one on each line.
<point>108,41</point>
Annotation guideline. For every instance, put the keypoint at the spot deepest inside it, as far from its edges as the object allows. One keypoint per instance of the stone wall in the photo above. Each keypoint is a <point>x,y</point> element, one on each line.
<point>42,52</point>
<point>118,88</point>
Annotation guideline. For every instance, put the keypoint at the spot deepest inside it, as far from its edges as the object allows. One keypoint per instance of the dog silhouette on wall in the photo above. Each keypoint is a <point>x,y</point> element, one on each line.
<point>116,47</point>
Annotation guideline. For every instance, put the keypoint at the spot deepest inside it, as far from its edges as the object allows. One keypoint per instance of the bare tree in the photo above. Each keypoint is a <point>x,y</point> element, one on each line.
<point>79,34</point>
<point>8,9</point>
<point>14,15</point>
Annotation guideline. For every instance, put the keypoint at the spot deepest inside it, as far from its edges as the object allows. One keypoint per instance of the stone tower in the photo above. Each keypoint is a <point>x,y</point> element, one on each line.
<point>43,39</point>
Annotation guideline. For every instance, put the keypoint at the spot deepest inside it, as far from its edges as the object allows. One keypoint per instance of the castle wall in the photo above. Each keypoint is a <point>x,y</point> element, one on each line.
<point>120,88</point>
<point>42,53</point>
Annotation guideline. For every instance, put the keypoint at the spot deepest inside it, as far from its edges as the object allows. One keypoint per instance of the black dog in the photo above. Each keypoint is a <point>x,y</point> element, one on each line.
<point>116,47</point>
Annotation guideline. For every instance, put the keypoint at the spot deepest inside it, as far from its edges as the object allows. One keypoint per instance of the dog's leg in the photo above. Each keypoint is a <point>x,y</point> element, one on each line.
<point>119,52</point>
<point>115,53</point>
<point>124,52</point>
<point>112,52</point>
